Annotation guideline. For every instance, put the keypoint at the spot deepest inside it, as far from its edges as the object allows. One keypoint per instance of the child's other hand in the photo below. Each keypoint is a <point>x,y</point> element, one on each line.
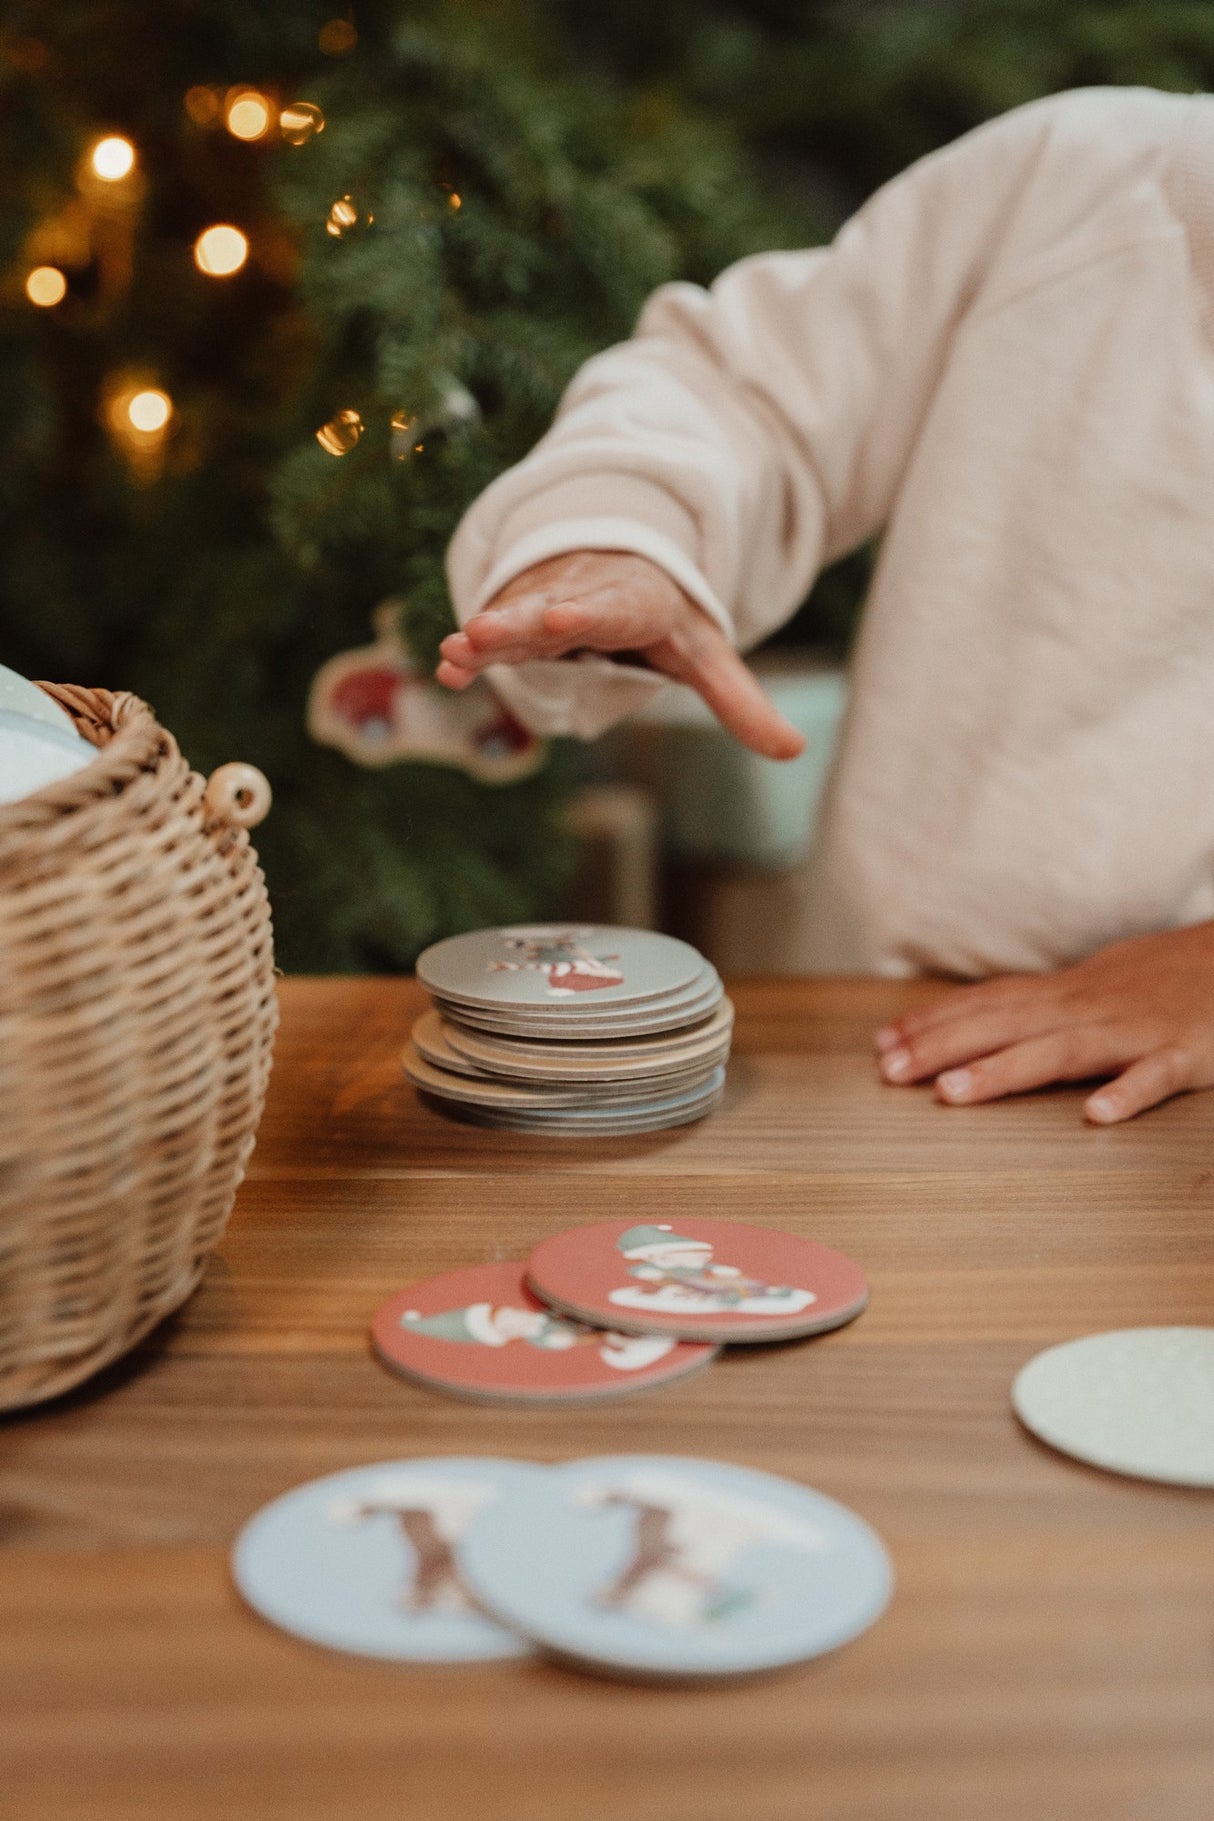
<point>604,600</point>
<point>1142,1011</point>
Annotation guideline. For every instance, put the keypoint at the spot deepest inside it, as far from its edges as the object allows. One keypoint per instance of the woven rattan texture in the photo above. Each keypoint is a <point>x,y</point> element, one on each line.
<point>137,1018</point>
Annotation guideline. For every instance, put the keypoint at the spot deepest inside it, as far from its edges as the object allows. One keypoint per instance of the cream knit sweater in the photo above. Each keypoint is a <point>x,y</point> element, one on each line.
<point>1004,363</point>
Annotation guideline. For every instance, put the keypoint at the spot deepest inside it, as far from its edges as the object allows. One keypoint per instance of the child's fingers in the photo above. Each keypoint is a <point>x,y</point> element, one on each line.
<point>735,696</point>
<point>514,654</point>
<point>458,648</point>
<point>985,997</point>
<point>516,622</point>
<point>684,643</point>
<point>454,676</point>
<point>1060,1056</point>
<point>534,626</point>
<point>1144,1084</point>
<point>610,619</point>
<point>977,1032</point>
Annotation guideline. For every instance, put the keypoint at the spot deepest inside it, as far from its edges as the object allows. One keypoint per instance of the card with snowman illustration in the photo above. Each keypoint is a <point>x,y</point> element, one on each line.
<point>717,1280</point>
<point>481,1334</point>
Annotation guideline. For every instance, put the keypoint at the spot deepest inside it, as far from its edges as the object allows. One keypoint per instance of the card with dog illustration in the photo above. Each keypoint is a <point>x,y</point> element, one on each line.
<point>698,1280</point>
<point>369,1561</point>
<point>668,1566</point>
<point>481,1334</point>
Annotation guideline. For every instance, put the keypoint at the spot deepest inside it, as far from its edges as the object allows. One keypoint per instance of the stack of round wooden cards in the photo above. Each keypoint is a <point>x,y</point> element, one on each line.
<point>571,1029</point>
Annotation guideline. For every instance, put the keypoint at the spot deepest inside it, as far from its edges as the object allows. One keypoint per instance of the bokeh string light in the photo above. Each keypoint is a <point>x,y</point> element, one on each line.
<point>204,105</point>
<point>404,430</point>
<point>221,250</point>
<point>343,216</point>
<point>341,433</point>
<point>112,158</point>
<point>337,38</point>
<point>139,415</point>
<point>300,121</point>
<point>149,411</point>
<point>247,114</point>
<point>455,413</point>
<point>46,286</point>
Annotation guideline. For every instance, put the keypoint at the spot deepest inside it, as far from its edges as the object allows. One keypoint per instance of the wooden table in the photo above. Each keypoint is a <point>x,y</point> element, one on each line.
<point>1050,1650</point>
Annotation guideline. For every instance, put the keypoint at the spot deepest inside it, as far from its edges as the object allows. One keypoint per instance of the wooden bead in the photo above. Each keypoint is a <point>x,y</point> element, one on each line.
<point>238,793</point>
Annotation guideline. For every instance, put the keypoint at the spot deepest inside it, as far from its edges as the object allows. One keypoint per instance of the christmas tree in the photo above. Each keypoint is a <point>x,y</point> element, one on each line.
<point>285,291</point>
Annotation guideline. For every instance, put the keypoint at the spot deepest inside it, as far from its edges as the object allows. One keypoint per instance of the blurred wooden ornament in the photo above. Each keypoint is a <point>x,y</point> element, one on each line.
<point>375,706</point>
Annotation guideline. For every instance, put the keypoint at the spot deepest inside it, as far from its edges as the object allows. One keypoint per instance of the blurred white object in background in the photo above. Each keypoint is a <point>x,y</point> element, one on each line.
<point>38,742</point>
<point>19,696</point>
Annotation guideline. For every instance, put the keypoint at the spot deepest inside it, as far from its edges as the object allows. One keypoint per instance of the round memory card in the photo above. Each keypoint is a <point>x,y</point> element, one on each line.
<point>670,1016</point>
<point>481,1334</point>
<point>665,1566</point>
<point>623,1059</point>
<point>611,1111</point>
<point>553,965</point>
<point>692,1003</point>
<point>429,1038</point>
<point>1138,1401</point>
<point>480,1090</point>
<point>719,1280</point>
<point>370,1560</point>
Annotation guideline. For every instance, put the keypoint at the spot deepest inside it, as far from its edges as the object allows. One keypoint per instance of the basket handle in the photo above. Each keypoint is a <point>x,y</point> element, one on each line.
<point>238,793</point>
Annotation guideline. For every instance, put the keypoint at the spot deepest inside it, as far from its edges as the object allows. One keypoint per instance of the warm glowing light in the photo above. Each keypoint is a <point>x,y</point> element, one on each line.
<point>203,105</point>
<point>337,38</point>
<point>220,251</point>
<point>403,429</point>
<point>149,411</point>
<point>340,434</point>
<point>248,115</point>
<point>46,286</point>
<point>300,121</point>
<point>342,217</point>
<point>112,158</point>
<point>455,200</point>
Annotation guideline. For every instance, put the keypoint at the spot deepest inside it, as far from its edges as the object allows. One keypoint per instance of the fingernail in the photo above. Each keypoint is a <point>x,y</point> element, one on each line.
<point>955,1084</point>
<point>1101,1107</point>
<point>886,1037</point>
<point>896,1064</point>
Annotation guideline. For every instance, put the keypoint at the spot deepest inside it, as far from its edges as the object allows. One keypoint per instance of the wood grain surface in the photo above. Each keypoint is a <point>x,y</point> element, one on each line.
<point>1049,1655</point>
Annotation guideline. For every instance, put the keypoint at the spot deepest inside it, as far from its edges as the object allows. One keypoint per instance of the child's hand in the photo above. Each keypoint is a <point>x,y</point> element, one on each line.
<point>611,601</point>
<point>1141,1010</point>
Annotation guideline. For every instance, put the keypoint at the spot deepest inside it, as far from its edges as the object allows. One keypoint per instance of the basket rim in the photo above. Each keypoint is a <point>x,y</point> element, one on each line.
<point>129,740</point>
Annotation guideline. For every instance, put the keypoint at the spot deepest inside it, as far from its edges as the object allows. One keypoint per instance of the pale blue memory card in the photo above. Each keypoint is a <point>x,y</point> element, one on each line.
<point>369,1560</point>
<point>667,1566</point>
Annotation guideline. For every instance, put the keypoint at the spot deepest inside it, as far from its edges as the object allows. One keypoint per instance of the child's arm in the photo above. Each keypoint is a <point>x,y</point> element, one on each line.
<point>1141,1011</point>
<point>749,433</point>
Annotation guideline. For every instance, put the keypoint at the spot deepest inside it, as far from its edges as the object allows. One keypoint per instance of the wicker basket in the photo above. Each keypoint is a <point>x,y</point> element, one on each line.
<point>137,1017</point>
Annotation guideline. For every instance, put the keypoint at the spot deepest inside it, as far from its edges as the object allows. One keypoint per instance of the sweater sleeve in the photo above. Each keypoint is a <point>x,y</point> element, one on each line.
<point>749,433</point>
